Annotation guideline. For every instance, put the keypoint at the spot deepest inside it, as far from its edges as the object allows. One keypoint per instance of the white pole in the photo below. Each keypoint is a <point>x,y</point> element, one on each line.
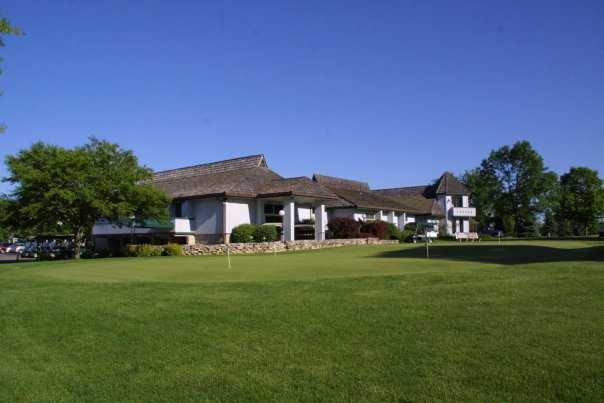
<point>228,255</point>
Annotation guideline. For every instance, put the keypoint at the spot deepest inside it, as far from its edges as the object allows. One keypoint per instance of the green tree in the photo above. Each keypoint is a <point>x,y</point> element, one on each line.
<point>68,190</point>
<point>6,28</point>
<point>510,188</point>
<point>581,200</point>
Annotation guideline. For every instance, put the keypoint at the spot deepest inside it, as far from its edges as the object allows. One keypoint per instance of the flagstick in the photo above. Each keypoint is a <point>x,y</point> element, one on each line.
<point>228,255</point>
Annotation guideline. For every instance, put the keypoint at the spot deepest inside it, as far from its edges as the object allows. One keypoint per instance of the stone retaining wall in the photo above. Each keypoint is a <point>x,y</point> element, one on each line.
<point>270,247</point>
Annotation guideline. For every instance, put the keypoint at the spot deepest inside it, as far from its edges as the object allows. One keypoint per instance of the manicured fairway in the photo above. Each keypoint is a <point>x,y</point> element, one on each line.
<point>518,322</point>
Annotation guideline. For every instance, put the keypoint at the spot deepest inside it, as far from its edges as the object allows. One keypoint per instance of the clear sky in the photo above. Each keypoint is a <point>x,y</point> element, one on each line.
<point>390,92</point>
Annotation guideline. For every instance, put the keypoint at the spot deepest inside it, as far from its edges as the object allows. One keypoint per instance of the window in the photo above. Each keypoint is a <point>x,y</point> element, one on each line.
<point>271,213</point>
<point>177,209</point>
<point>457,201</point>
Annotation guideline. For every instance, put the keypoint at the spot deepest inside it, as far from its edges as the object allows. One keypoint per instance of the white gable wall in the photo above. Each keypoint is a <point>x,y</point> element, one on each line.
<point>207,214</point>
<point>239,212</point>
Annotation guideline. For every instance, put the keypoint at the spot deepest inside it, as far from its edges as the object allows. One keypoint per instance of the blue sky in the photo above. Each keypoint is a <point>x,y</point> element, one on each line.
<point>392,93</point>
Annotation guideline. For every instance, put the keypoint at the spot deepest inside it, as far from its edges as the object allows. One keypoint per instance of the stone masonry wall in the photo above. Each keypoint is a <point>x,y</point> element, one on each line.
<point>270,247</point>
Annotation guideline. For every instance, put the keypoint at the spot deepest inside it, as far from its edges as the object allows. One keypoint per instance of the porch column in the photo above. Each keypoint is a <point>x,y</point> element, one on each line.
<point>466,225</point>
<point>320,222</point>
<point>289,220</point>
<point>259,212</point>
<point>391,218</point>
<point>401,221</point>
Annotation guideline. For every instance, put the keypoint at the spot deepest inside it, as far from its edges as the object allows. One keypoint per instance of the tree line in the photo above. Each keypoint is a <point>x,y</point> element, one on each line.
<point>514,192</point>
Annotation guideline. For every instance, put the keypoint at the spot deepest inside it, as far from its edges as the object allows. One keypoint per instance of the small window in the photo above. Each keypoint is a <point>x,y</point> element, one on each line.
<point>177,206</point>
<point>271,213</point>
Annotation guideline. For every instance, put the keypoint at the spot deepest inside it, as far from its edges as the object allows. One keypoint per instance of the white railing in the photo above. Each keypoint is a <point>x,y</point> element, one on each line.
<point>464,212</point>
<point>182,225</point>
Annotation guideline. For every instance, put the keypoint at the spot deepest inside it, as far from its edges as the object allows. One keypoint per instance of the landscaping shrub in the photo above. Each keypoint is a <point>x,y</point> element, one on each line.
<point>411,227</point>
<point>265,233</point>
<point>406,235</point>
<point>243,233</point>
<point>172,249</point>
<point>343,228</point>
<point>143,250</point>
<point>393,231</point>
<point>377,229</point>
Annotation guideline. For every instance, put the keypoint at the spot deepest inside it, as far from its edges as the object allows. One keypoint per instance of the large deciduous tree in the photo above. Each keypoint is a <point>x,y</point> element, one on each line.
<point>581,201</point>
<point>6,28</point>
<point>510,188</point>
<point>68,190</point>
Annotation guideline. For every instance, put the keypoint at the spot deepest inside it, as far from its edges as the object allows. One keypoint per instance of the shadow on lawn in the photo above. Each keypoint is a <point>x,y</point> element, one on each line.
<point>504,254</point>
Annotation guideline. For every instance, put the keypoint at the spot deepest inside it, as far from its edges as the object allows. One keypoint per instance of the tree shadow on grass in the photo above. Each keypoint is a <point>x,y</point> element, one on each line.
<point>504,254</point>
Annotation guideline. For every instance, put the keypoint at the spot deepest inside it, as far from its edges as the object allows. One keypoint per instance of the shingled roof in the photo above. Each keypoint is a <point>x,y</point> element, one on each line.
<point>449,184</point>
<point>251,161</point>
<point>357,194</point>
<point>299,186</point>
<point>340,183</point>
<point>238,177</point>
<point>417,199</point>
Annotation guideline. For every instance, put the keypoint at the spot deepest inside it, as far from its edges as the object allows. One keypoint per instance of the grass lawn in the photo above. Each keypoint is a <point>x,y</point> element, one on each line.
<point>518,322</point>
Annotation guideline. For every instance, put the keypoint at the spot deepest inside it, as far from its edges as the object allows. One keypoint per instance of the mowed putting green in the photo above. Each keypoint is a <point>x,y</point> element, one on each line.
<point>476,322</point>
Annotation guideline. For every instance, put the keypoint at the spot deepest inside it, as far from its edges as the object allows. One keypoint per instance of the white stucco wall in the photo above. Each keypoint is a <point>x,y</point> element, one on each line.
<point>239,212</point>
<point>207,214</point>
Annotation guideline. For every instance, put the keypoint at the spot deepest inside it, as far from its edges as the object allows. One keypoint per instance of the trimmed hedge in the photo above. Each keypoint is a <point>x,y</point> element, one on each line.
<point>173,249</point>
<point>344,228</point>
<point>378,229</point>
<point>265,233</point>
<point>247,233</point>
<point>143,250</point>
<point>243,233</point>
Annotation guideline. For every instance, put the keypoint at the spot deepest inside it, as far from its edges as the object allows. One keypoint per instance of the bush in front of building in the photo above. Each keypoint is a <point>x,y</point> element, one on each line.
<point>343,228</point>
<point>377,229</point>
<point>247,233</point>
<point>143,250</point>
<point>265,233</point>
<point>243,233</point>
<point>393,231</point>
<point>172,249</point>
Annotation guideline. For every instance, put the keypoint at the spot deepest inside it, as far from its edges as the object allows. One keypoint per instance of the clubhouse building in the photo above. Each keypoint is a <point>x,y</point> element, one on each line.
<point>209,200</point>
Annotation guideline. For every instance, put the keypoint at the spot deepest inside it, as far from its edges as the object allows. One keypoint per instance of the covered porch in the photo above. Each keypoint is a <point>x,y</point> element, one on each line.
<point>296,206</point>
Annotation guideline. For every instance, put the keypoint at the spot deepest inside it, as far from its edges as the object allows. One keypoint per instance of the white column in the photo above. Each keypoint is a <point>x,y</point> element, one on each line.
<point>259,212</point>
<point>391,217</point>
<point>466,226</point>
<point>289,220</point>
<point>320,222</point>
<point>401,221</point>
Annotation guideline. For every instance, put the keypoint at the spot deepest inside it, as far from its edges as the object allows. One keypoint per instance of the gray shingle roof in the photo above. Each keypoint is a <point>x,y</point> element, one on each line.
<point>340,183</point>
<point>449,184</point>
<point>252,161</point>
<point>238,177</point>
<point>300,186</point>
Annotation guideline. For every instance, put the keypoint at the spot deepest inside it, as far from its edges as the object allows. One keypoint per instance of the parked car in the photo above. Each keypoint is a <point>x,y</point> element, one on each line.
<point>30,251</point>
<point>3,247</point>
<point>15,248</point>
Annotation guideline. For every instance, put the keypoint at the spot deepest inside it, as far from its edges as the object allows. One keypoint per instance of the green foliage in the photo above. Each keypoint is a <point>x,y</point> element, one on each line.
<point>510,188</point>
<point>265,233</point>
<point>393,231</point>
<point>243,233</point>
<point>6,28</point>
<point>172,249</point>
<point>406,235</point>
<point>59,190</point>
<point>144,250</point>
<point>581,201</point>
<point>247,233</point>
